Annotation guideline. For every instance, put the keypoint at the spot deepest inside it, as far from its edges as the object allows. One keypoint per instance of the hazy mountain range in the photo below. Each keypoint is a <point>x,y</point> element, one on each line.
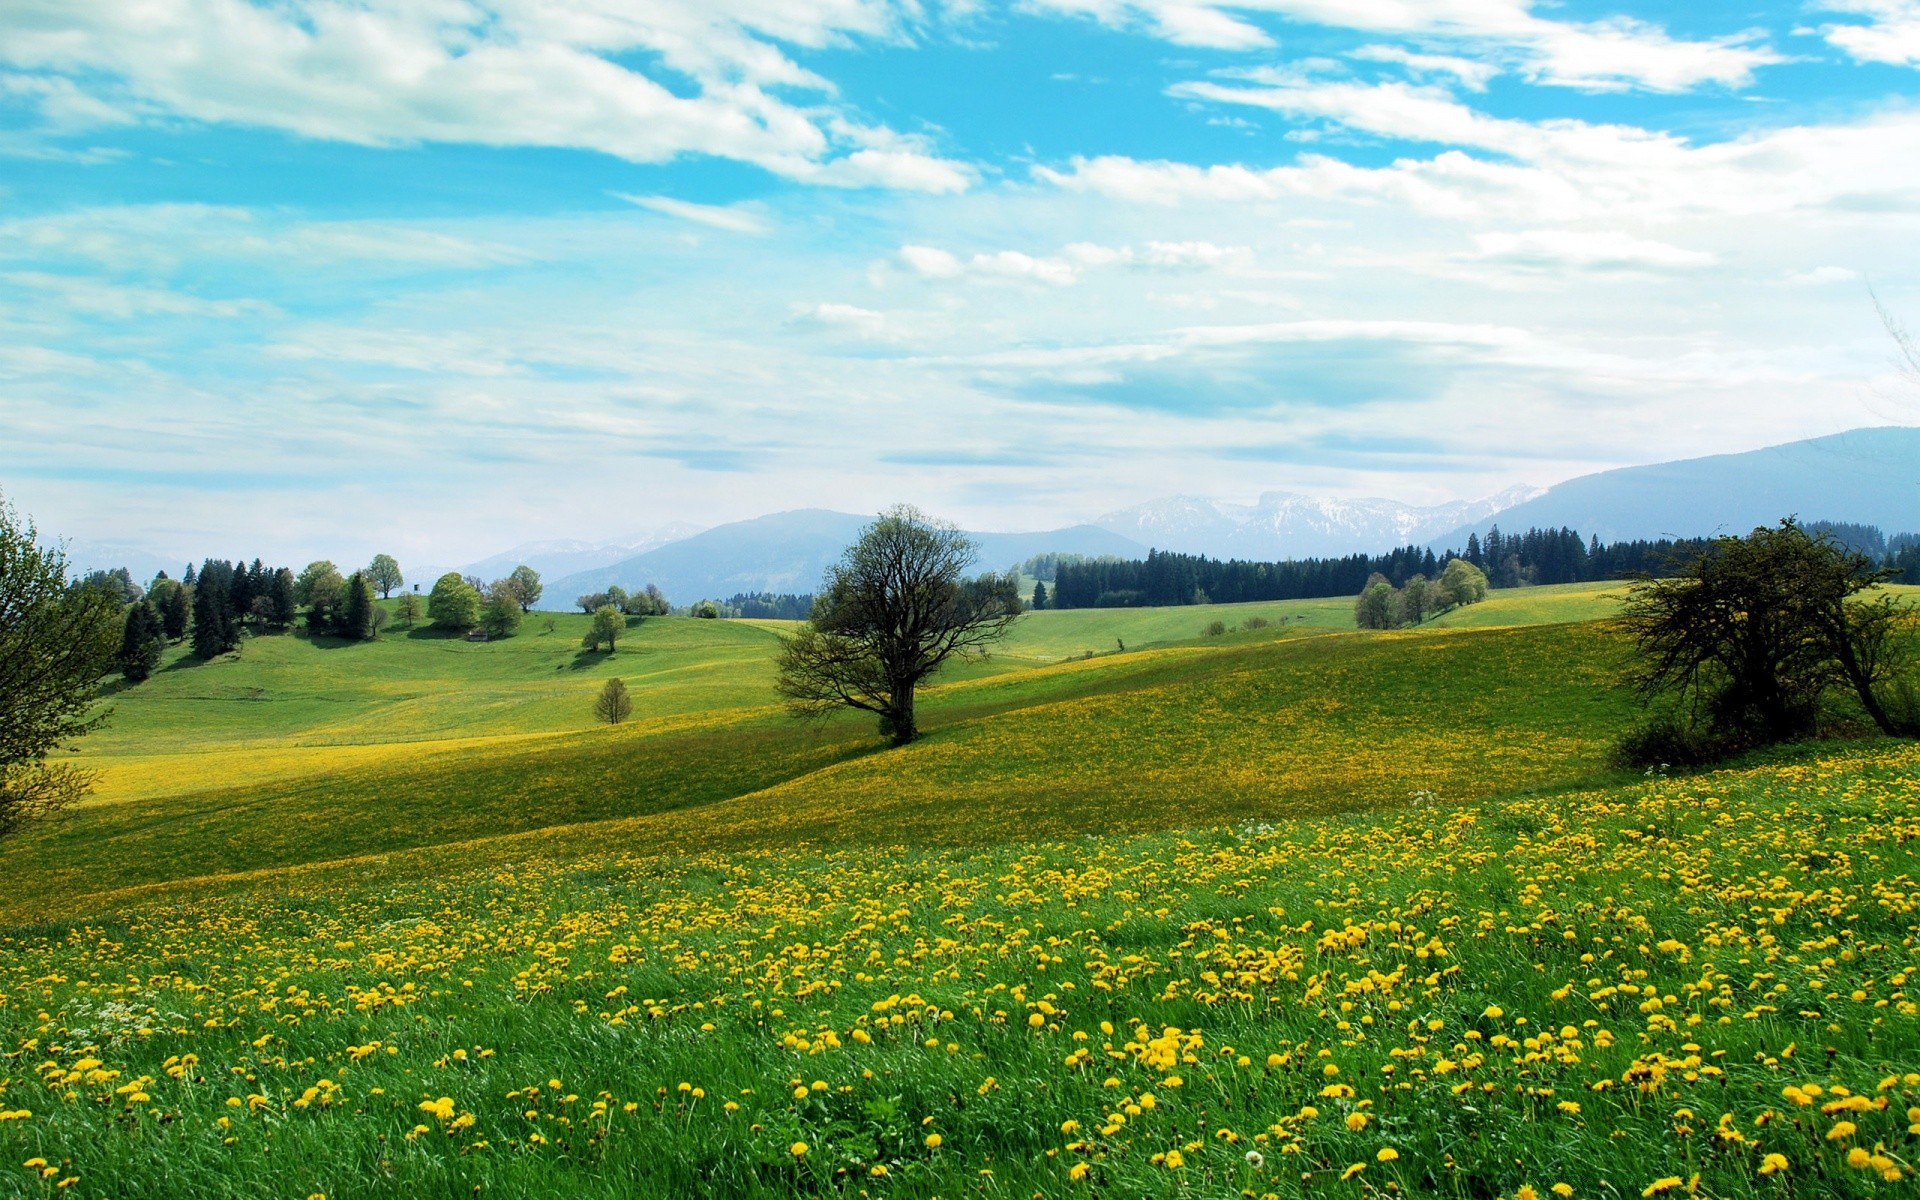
<point>1871,476</point>
<point>1289,525</point>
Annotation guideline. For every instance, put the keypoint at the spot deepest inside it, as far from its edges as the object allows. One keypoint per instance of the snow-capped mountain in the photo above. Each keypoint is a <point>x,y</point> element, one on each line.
<point>1289,525</point>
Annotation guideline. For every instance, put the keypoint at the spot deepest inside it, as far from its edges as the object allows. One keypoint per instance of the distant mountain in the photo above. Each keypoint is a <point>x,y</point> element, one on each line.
<point>85,556</point>
<point>789,551</point>
<point>1289,525</point>
<point>1871,476</point>
<point>568,557</point>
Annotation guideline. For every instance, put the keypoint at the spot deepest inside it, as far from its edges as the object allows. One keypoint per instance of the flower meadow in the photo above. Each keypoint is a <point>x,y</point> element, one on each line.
<point>1700,985</point>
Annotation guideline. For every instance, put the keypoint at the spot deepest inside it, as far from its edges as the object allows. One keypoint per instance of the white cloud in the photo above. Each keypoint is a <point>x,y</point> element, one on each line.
<point>731,217</point>
<point>1073,260</point>
<point>848,318</point>
<point>1472,74</point>
<point>491,72</point>
<point>80,295</point>
<point>1614,53</point>
<point>1600,250</point>
<point>1891,33</point>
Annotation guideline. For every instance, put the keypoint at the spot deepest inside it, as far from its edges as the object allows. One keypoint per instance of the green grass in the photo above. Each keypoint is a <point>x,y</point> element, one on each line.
<point>399,920</point>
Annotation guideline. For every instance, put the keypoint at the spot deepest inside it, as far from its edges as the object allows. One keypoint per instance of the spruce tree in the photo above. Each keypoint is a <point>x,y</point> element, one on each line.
<point>355,619</point>
<point>240,593</point>
<point>280,588</point>
<point>214,629</point>
<point>141,641</point>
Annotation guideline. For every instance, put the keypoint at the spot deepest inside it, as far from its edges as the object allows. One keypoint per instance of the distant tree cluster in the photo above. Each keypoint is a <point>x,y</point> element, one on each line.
<point>1538,556</point>
<point>1380,605</point>
<point>648,602</point>
<point>343,606</point>
<point>768,606</point>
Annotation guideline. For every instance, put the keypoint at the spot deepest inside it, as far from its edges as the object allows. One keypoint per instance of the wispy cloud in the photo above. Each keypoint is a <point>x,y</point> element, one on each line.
<point>732,217</point>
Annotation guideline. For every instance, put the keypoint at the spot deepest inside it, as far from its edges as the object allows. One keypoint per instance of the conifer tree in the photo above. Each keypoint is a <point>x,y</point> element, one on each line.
<point>355,619</point>
<point>214,629</point>
<point>280,588</point>
<point>141,642</point>
<point>240,592</point>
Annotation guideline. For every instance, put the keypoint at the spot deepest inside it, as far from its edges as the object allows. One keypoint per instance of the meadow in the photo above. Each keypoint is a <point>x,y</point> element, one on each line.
<point>1289,911</point>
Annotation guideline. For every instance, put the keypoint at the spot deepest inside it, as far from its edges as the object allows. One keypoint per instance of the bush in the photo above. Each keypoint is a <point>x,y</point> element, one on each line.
<point>1665,739</point>
<point>1253,623</point>
<point>1215,628</point>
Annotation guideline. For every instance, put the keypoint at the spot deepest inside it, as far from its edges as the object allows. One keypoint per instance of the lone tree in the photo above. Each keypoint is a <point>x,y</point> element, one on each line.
<point>1751,634</point>
<point>613,704</point>
<point>607,627</point>
<point>56,642</point>
<point>888,615</point>
<point>525,586</point>
<point>454,604</point>
<point>384,573</point>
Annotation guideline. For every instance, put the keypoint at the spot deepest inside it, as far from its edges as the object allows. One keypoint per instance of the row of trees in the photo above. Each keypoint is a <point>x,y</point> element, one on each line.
<point>1380,605</point>
<point>1167,578</point>
<point>649,602</point>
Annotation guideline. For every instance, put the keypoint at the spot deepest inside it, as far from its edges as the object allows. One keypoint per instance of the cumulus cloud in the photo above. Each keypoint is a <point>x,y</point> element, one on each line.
<point>550,73</point>
<point>1890,34</point>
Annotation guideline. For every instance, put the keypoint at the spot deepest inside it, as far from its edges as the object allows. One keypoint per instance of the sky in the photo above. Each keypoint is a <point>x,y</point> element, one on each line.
<point>316,278</point>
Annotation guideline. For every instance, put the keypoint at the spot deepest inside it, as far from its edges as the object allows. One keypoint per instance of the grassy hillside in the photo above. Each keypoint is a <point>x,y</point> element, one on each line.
<point>1681,984</point>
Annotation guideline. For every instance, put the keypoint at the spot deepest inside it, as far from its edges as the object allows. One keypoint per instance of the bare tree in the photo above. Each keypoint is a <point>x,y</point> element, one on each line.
<point>888,615</point>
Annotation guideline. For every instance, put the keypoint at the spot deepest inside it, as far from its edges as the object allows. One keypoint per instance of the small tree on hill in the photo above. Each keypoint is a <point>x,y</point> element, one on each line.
<point>1377,606</point>
<point>173,603</point>
<point>1461,583</point>
<point>454,604</point>
<point>613,704</point>
<point>606,629</point>
<point>892,611</point>
<point>1039,595</point>
<point>526,587</point>
<point>384,573</point>
<point>280,590</point>
<point>502,613</point>
<point>408,608</point>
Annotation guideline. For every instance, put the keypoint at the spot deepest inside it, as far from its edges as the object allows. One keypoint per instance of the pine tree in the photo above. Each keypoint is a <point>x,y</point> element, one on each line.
<point>280,588</point>
<point>141,642</point>
<point>240,593</point>
<point>1039,594</point>
<point>214,629</point>
<point>355,619</point>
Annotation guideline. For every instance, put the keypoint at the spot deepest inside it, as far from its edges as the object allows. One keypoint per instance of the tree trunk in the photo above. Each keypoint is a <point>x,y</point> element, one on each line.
<point>1862,685</point>
<point>899,724</point>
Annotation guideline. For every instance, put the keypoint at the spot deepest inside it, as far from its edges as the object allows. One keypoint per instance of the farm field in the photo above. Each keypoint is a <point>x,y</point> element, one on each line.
<point>1290,911</point>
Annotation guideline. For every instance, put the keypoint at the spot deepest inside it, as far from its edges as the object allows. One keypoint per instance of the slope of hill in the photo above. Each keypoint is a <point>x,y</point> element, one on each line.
<point>1871,476</point>
<point>788,552</point>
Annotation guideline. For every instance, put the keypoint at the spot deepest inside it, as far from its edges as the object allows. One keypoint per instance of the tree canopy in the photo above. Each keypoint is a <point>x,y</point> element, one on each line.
<point>56,641</point>
<point>384,574</point>
<point>888,615</point>
<point>454,604</point>
<point>1751,635</point>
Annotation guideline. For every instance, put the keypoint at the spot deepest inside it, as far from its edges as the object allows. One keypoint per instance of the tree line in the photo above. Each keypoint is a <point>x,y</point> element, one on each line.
<point>1537,556</point>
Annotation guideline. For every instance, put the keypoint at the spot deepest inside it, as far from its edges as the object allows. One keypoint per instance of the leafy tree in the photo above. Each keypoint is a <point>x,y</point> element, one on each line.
<point>384,573</point>
<point>408,609</point>
<point>1461,583</point>
<point>1751,634</point>
<point>117,583</point>
<point>591,602</point>
<point>454,603</point>
<point>355,620</point>
<point>55,643</point>
<point>1377,606</point>
<point>658,599</point>
<point>315,572</point>
<point>502,614</point>
<point>142,641</point>
<point>888,615</point>
<point>706,610</point>
<point>1414,600</point>
<point>216,630</point>
<point>613,704</point>
<point>525,585</point>
<point>607,627</point>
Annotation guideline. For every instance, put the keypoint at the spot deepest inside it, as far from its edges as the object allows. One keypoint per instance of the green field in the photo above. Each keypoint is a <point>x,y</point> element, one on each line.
<point>1293,910</point>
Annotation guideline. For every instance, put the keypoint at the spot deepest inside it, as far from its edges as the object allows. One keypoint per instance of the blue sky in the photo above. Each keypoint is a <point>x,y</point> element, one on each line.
<point>438,276</point>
